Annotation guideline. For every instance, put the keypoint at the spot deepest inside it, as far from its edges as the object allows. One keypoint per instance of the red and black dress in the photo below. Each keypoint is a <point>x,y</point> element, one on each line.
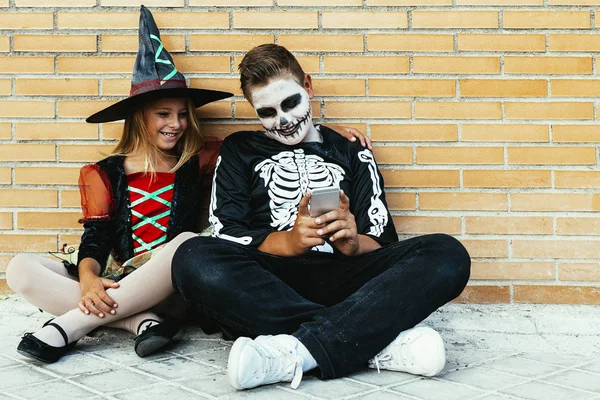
<point>126,215</point>
<point>150,199</point>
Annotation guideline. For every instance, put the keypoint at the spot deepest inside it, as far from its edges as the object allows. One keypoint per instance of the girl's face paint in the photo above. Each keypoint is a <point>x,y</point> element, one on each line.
<point>283,108</point>
<point>166,119</point>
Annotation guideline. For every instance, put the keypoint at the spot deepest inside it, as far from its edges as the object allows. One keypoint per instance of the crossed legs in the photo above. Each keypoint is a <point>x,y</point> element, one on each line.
<point>46,285</point>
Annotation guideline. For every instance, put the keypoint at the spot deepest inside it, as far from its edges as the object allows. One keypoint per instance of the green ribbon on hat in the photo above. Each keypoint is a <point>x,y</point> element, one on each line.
<point>162,61</point>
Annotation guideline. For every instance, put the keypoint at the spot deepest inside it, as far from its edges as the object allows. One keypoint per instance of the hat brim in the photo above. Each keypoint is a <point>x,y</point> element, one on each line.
<point>125,107</point>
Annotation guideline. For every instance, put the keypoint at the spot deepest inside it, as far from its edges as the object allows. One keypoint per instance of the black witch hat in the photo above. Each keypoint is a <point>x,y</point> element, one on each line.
<point>154,76</point>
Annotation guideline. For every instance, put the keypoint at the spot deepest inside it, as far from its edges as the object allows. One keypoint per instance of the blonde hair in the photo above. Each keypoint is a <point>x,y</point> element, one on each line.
<point>136,137</point>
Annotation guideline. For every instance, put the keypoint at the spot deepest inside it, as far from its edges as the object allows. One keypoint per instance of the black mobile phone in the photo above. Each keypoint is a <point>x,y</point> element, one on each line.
<point>323,200</point>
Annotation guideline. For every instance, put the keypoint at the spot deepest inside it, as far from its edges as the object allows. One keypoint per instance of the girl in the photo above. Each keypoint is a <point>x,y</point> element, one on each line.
<point>127,212</point>
<point>133,202</point>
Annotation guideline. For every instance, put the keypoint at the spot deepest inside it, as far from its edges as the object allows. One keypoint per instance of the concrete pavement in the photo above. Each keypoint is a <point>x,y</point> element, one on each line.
<point>518,351</point>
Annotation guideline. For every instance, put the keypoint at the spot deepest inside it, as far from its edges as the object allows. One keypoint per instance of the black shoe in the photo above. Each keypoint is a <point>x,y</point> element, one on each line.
<point>154,338</point>
<point>33,347</point>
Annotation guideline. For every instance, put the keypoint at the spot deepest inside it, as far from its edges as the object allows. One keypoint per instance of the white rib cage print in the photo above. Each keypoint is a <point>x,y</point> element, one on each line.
<point>288,175</point>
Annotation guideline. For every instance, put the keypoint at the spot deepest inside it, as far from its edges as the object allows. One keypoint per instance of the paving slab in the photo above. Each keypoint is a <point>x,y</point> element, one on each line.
<point>518,351</point>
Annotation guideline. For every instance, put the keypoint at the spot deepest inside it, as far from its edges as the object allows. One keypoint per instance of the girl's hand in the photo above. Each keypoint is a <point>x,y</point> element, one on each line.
<point>94,298</point>
<point>352,134</point>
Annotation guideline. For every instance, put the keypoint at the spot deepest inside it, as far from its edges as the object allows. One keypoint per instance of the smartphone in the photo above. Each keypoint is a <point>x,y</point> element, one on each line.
<point>323,200</point>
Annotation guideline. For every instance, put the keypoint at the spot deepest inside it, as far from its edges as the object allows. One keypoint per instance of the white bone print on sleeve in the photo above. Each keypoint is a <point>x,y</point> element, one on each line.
<point>214,220</point>
<point>377,211</point>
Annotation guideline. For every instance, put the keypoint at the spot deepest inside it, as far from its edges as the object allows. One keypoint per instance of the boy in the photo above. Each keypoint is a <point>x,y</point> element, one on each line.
<point>338,291</point>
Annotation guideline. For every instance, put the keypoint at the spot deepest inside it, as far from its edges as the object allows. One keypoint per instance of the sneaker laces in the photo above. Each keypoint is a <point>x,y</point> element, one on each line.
<point>398,351</point>
<point>281,363</point>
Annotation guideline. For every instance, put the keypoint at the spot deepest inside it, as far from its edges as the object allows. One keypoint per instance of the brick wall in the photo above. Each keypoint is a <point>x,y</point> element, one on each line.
<point>483,113</point>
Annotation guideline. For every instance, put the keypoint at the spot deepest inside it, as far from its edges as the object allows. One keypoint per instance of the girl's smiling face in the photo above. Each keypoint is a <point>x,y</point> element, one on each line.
<point>166,120</point>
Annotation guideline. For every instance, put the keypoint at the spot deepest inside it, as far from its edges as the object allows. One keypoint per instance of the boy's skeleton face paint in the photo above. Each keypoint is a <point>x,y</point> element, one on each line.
<point>283,108</point>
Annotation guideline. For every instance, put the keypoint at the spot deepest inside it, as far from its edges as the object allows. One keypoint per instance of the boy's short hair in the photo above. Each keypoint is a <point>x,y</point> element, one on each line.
<point>265,62</point>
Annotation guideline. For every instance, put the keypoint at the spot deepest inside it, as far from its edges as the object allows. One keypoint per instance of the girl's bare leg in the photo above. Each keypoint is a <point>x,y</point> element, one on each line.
<point>46,284</point>
<point>43,282</point>
<point>139,291</point>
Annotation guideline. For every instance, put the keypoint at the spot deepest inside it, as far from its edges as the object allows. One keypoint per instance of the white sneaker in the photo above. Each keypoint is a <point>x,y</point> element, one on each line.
<point>264,360</point>
<point>418,351</point>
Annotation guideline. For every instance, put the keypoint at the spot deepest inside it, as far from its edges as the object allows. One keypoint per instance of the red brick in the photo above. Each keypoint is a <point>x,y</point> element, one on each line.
<point>552,202</point>
<point>504,133</point>
<point>506,179</point>
<point>56,131</point>
<point>577,179</point>
<point>28,198</point>
<point>460,155</point>
<point>5,175</point>
<point>371,109</point>
<point>5,130</point>
<point>27,243</point>
<point>454,19</point>
<point>46,175</point>
<point>26,20</point>
<point>275,20</point>
<point>366,64</point>
<point>414,132</point>
<point>365,20</point>
<point>412,87</point>
<point>503,88</point>
<point>456,65</point>
<point>425,225</point>
<point>508,225</point>
<point>544,65</point>
<point>339,87</point>
<point>6,221</point>
<point>503,270</point>
<point>553,111</point>
<point>457,110</point>
<point>552,19</point>
<point>410,42</point>
<point>486,248</point>
<point>400,201</point>
<point>502,42</point>
<point>582,272</point>
<point>462,201</point>
<point>422,178</point>
<point>578,226</point>
<point>555,248</point>
<point>556,294</point>
<point>214,42</point>
<point>484,294</point>
<point>552,155</point>
<point>393,155</point>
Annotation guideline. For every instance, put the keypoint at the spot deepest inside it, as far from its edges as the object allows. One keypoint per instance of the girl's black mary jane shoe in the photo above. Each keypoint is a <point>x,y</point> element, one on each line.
<point>155,337</point>
<point>32,347</point>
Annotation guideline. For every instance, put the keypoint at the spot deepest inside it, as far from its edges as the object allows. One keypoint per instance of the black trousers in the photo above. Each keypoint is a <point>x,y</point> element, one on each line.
<point>343,309</point>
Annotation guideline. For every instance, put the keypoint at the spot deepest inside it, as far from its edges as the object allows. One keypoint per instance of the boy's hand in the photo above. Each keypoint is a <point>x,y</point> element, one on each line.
<point>303,235</point>
<point>339,226</point>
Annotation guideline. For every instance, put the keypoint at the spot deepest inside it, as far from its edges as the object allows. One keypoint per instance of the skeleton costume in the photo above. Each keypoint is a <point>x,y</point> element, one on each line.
<point>261,176</point>
<point>259,182</point>
<point>343,309</point>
